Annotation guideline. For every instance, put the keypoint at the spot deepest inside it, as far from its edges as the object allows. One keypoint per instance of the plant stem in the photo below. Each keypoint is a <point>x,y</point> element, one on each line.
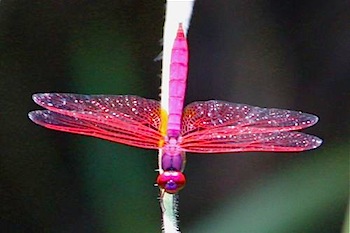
<point>177,11</point>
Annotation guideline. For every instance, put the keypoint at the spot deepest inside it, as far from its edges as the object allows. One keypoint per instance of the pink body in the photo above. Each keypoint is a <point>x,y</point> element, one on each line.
<point>202,127</point>
<point>177,85</point>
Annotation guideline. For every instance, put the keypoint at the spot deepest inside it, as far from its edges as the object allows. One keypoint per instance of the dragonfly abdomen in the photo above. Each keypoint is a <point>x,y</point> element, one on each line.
<point>177,85</point>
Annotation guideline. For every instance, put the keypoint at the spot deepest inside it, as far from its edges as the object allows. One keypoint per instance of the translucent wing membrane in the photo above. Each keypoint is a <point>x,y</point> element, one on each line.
<point>126,119</point>
<point>218,126</point>
<point>278,141</point>
<point>241,118</point>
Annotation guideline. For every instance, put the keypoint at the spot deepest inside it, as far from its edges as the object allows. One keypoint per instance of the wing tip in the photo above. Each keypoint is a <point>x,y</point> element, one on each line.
<point>313,119</point>
<point>36,97</point>
<point>39,98</point>
<point>31,115</point>
<point>50,100</point>
<point>316,142</point>
<point>37,114</point>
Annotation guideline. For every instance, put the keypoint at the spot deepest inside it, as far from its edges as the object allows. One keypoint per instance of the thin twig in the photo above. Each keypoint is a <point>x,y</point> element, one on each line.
<point>177,11</point>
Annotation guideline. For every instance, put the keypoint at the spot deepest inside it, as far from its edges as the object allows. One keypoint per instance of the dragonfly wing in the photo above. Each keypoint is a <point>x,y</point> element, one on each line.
<point>219,126</point>
<point>277,141</point>
<point>120,118</point>
<point>104,130</point>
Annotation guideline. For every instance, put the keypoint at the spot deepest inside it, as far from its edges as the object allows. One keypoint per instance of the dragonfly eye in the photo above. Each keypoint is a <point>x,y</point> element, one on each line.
<point>171,181</point>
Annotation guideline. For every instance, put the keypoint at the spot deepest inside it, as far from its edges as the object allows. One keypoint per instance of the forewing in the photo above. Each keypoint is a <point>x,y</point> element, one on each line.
<point>126,119</point>
<point>218,126</point>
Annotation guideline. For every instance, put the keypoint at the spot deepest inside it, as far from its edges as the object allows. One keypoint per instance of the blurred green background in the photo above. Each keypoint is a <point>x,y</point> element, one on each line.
<point>285,54</point>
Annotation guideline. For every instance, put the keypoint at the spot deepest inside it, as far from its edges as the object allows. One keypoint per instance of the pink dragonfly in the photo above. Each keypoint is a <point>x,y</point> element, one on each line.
<point>212,126</point>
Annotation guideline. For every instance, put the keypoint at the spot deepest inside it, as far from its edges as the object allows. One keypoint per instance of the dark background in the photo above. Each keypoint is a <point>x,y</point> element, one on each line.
<point>285,54</point>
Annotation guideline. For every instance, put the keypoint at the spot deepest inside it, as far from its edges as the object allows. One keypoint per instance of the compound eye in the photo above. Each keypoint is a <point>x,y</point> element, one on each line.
<point>171,181</point>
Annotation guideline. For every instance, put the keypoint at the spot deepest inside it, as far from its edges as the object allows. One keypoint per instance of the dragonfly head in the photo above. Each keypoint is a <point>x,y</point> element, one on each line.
<point>171,181</point>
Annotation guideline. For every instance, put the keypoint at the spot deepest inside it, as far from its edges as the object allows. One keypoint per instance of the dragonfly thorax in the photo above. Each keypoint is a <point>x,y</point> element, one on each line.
<point>173,158</point>
<point>172,145</point>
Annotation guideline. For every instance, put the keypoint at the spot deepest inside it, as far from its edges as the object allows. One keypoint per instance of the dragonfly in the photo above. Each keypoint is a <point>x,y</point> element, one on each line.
<point>212,126</point>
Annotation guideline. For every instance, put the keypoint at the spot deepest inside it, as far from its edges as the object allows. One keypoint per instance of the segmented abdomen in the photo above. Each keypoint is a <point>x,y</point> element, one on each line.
<point>177,88</point>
